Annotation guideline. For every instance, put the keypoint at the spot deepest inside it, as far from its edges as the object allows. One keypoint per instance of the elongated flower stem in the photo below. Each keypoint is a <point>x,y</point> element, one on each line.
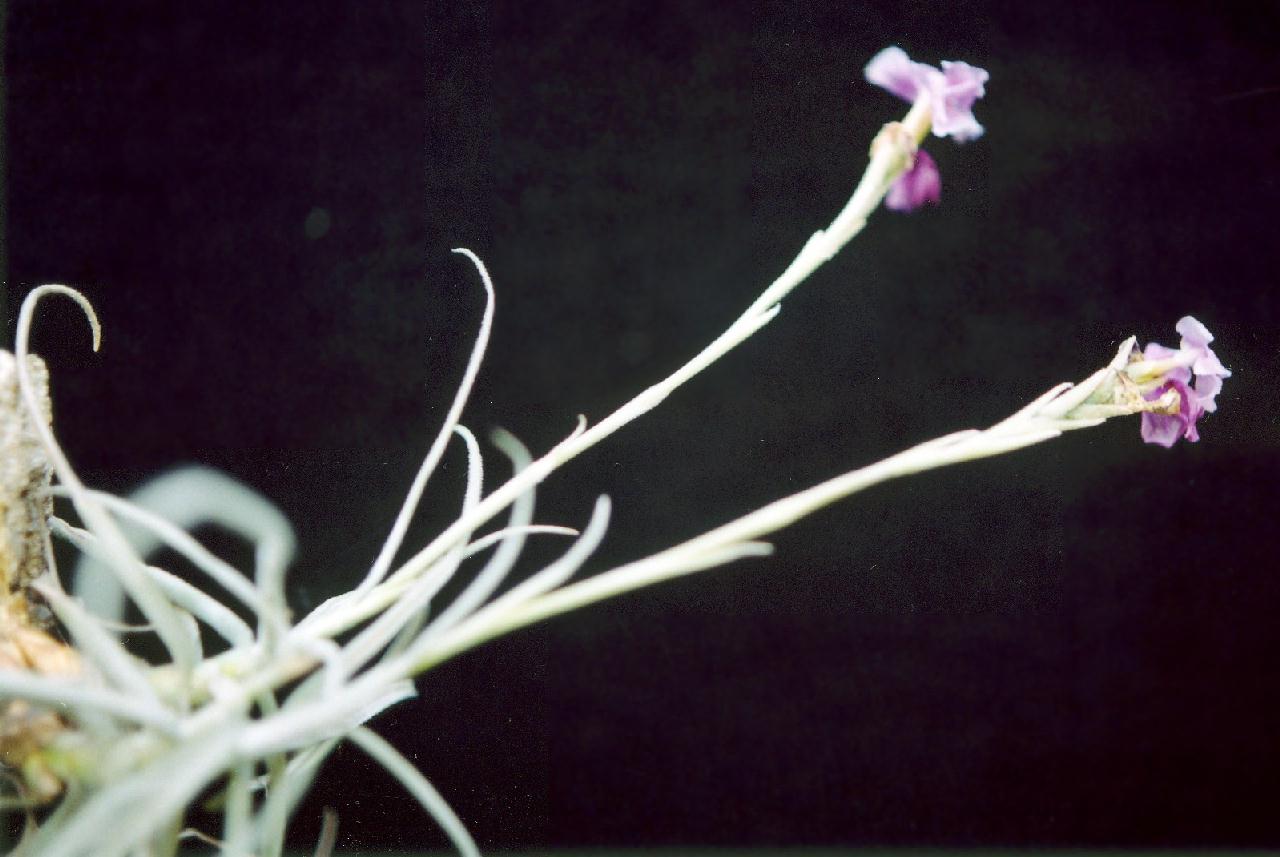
<point>886,163</point>
<point>1062,409</point>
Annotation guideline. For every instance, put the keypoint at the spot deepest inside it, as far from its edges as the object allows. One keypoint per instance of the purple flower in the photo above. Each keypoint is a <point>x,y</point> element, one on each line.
<point>1165,429</point>
<point>952,90</point>
<point>1195,339</point>
<point>1193,358</point>
<point>921,183</point>
<point>949,93</point>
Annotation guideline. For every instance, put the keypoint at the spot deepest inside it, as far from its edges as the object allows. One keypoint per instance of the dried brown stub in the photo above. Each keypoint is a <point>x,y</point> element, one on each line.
<point>25,641</point>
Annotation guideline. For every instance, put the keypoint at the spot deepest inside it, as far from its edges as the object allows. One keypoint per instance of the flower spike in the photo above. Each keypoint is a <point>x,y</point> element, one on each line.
<point>1189,378</point>
<point>945,98</point>
<point>951,90</point>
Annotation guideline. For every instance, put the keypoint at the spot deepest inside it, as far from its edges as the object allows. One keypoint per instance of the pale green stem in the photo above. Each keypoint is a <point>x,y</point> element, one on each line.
<point>1043,420</point>
<point>887,162</point>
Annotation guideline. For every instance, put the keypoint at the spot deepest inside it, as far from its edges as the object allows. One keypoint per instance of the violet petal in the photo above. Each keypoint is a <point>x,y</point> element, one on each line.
<point>893,70</point>
<point>1165,429</point>
<point>918,185</point>
<point>954,92</point>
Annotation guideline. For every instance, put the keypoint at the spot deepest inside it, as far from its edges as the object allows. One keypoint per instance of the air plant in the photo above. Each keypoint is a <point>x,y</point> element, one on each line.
<point>90,733</point>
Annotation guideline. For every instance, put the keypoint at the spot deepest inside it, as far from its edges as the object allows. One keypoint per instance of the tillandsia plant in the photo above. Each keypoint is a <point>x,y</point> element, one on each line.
<point>90,733</point>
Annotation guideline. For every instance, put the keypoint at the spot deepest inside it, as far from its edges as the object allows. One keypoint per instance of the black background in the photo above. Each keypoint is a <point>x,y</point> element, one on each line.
<point>1072,645</point>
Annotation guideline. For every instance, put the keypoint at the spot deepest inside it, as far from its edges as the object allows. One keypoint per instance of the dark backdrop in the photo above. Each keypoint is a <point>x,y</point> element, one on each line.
<point>1069,645</point>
